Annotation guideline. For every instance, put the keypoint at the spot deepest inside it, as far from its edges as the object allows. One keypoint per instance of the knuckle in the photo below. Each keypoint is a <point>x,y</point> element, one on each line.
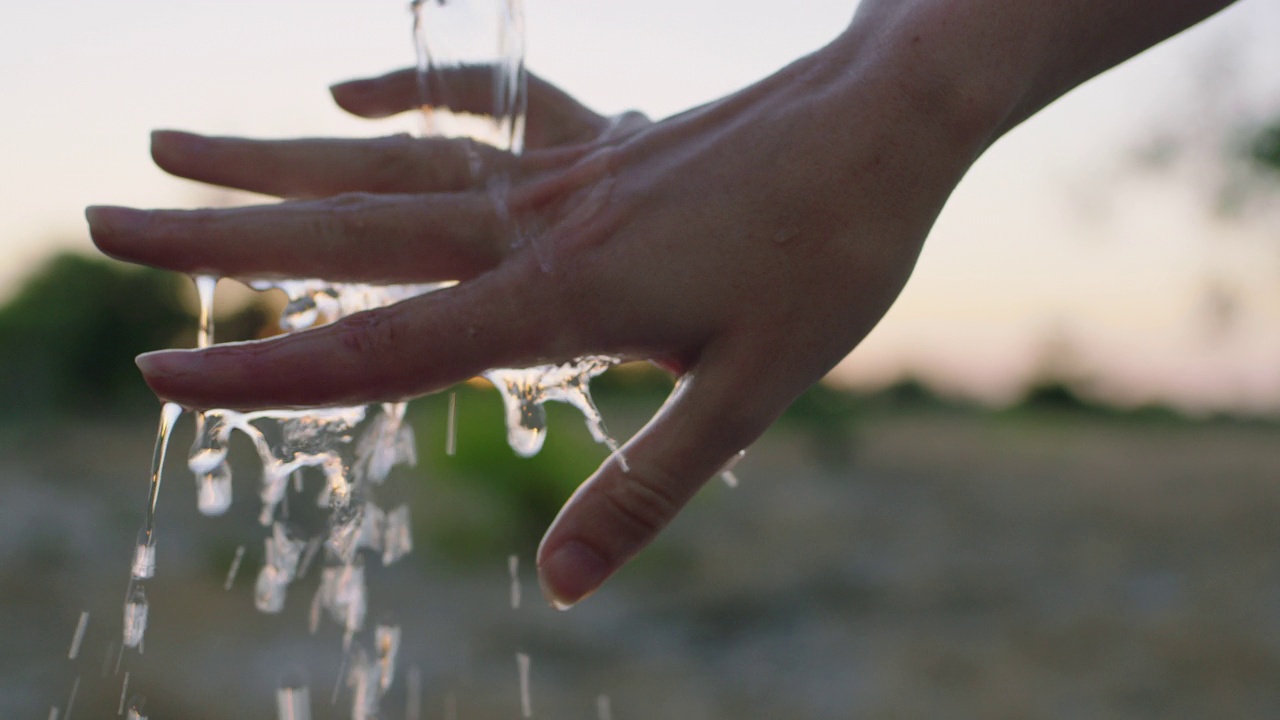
<point>553,307</point>
<point>643,501</point>
<point>341,217</point>
<point>367,336</point>
<point>738,428</point>
<point>198,223</point>
<point>392,164</point>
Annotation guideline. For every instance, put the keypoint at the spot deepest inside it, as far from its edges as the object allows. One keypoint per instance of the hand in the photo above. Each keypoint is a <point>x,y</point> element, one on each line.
<point>750,244</point>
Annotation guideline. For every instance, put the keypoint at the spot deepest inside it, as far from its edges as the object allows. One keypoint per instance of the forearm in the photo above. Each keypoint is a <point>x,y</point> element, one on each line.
<point>990,64</point>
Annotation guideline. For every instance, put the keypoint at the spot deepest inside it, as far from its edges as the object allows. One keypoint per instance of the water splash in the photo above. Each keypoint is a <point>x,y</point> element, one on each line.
<point>397,540</point>
<point>346,453</point>
<point>525,391</point>
<point>461,46</point>
<point>364,679</point>
<point>283,551</point>
<point>342,593</point>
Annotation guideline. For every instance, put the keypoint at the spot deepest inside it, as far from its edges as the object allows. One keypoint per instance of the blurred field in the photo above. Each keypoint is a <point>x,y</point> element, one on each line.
<point>951,563</point>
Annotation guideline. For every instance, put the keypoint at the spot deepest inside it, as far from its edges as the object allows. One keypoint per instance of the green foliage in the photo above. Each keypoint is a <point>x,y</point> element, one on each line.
<point>1056,395</point>
<point>828,417</point>
<point>69,336</point>
<point>1266,147</point>
<point>495,500</point>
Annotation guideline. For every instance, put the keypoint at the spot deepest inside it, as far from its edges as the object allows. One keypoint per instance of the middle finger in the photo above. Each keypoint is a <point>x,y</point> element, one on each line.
<point>319,167</point>
<point>354,237</point>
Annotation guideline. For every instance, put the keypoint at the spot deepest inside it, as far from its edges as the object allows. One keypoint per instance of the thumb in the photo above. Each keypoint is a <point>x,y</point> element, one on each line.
<point>617,512</point>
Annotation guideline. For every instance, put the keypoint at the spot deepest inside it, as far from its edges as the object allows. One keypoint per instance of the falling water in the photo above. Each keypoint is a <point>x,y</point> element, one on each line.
<point>727,474</point>
<point>455,44</point>
<point>451,427</point>
<point>234,569</point>
<point>513,568</point>
<point>413,693</point>
<point>78,638</point>
<point>293,698</point>
<point>71,701</point>
<point>135,617</point>
<point>124,690</point>
<point>348,452</point>
<point>144,554</point>
<point>522,667</point>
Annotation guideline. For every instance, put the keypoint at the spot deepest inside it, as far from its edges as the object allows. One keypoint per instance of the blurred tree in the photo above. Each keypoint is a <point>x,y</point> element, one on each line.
<point>1266,147</point>
<point>828,417</point>
<point>69,335</point>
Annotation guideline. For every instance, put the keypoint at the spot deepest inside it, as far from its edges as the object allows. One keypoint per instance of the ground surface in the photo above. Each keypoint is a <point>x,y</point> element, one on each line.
<point>960,566</point>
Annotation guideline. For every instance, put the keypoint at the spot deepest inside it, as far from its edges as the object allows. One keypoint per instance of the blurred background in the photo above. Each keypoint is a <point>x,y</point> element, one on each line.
<point>1046,486</point>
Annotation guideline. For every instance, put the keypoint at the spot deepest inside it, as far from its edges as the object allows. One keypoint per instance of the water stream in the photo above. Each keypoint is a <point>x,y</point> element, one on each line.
<point>338,457</point>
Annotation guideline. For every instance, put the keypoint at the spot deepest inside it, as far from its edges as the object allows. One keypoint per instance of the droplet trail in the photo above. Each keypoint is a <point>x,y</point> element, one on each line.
<point>78,637</point>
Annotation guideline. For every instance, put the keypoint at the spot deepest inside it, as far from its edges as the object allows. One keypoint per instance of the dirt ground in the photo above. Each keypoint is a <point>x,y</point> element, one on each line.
<point>962,565</point>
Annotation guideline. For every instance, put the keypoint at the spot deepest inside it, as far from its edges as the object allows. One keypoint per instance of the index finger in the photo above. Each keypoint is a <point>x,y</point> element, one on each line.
<point>502,319</point>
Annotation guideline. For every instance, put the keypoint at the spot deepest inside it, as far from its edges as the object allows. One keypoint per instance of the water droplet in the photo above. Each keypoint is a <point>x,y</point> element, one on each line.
<point>283,551</point>
<point>398,539</point>
<point>387,642</point>
<point>124,690</point>
<point>293,699</point>
<point>513,567</point>
<point>213,491</point>
<point>522,667</point>
<point>135,617</point>
<point>78,637</point>
<point>143,566</point>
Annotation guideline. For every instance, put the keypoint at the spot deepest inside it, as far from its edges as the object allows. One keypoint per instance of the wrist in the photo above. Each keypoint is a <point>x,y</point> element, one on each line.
<point>983,66</point>
<point>941,65</point>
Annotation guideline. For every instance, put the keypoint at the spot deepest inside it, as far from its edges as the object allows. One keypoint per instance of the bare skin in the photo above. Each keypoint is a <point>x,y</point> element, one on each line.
<point>749,244</point>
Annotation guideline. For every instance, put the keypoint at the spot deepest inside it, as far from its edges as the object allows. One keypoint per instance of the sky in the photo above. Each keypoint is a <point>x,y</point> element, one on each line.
<point>1058,238</point>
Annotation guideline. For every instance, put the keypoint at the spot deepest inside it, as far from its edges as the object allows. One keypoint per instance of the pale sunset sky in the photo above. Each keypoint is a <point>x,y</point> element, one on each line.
<point>1058,232</point>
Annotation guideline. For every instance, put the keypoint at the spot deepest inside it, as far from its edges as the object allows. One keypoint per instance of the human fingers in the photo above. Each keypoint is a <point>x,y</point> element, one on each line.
<point>319,167</point>
<point>554,117</point>
<point>707,420</point>
<point>500,319</point>
<point>356,237</point>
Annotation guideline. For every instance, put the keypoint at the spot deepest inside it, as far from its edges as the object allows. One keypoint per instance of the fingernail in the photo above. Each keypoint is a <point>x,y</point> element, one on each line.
<point>571,573</point>
<point>167,363</point>
<point>347,86</point>
<point>179,140</point>
<point>117,219</point>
